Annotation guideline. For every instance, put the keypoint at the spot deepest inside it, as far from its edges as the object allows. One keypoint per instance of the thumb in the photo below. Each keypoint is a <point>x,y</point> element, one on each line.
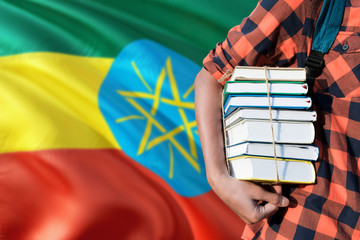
<point>278,188</point>
<point>276,199</point>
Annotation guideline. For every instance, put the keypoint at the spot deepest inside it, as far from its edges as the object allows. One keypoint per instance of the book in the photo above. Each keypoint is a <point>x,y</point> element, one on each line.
<point>249,138</point>
<point>260,87</point>
<point>261,101</point>
<point>263,113</point>
<point>273,74</point>
<point>290,151</point>
<point>253,130</point>
<point>264,170</point>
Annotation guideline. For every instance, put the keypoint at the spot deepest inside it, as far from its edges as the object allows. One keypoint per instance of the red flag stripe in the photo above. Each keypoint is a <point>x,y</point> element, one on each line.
<point>101,194</point>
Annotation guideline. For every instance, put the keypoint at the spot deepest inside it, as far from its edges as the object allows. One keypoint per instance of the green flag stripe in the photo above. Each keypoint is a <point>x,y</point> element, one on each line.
<point>102,28</point>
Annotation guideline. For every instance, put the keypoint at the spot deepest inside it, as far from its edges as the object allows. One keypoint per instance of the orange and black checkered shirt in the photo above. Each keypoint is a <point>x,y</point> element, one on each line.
<point>279,33</point>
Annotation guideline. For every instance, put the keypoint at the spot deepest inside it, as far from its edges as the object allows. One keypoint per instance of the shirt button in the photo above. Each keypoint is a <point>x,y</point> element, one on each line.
<point>345,47</point>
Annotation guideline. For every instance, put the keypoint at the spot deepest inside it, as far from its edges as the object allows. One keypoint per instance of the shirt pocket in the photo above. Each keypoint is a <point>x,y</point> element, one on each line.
<point>341,75</point>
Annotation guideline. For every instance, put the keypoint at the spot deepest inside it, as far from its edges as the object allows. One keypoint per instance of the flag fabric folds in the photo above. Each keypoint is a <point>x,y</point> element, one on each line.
<point>98,136</point>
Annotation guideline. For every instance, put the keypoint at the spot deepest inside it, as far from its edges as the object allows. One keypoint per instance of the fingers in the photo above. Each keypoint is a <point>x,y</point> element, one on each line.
<point>244,198</point>
<point>275,198</point>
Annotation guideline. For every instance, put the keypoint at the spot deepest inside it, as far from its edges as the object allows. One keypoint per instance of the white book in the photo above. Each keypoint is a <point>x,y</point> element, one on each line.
<point>251,130</point>
<point>261,101</point>
<point>264,170</point>
<point>260,87</point>
<point>287,151</point>
<point>263,113</point>
<point>273,73</point>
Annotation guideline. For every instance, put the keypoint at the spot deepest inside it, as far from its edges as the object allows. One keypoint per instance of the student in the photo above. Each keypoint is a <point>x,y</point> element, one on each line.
<point>279,33</point>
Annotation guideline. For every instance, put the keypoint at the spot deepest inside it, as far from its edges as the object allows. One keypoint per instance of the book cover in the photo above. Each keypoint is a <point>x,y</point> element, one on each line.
<point>289,151</point>
<point>260,87</point>
<point>264,113</point>
<point>273,73</point>
<point>251,130</point>
<point>261,101</point>
<point>259,169</point>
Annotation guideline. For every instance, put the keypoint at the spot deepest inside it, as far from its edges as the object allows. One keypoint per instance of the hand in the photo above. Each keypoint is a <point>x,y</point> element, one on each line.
<point>245,198</point>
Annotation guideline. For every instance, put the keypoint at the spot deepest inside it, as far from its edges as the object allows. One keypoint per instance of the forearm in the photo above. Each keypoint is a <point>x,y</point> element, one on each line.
<point>208,102</point>
<point>241,196</point>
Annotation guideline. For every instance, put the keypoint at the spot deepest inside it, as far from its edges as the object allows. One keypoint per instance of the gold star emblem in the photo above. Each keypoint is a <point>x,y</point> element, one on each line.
<point>167,135</point>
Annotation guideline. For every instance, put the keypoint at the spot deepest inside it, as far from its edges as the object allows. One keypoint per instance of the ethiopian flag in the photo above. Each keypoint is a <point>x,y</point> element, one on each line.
<point>98,137</point>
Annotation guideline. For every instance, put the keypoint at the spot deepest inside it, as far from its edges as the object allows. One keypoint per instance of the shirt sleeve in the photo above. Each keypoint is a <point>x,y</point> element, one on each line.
<point>274,33</point>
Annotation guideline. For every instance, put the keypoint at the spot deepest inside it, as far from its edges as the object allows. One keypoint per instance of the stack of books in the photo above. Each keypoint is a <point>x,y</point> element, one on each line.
<point>252,140</point>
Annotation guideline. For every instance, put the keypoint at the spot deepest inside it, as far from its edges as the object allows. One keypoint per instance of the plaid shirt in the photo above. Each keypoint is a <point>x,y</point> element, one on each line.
<point>279,33</point>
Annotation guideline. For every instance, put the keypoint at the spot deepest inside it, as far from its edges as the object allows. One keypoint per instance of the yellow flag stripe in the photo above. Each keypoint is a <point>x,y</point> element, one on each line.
<point>52,102</point>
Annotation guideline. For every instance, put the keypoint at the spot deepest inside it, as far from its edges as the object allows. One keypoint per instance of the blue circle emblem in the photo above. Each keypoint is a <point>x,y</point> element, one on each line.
<point>147,99</point>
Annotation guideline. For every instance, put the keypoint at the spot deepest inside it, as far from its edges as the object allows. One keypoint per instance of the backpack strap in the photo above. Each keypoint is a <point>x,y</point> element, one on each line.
<point>326,28</point>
